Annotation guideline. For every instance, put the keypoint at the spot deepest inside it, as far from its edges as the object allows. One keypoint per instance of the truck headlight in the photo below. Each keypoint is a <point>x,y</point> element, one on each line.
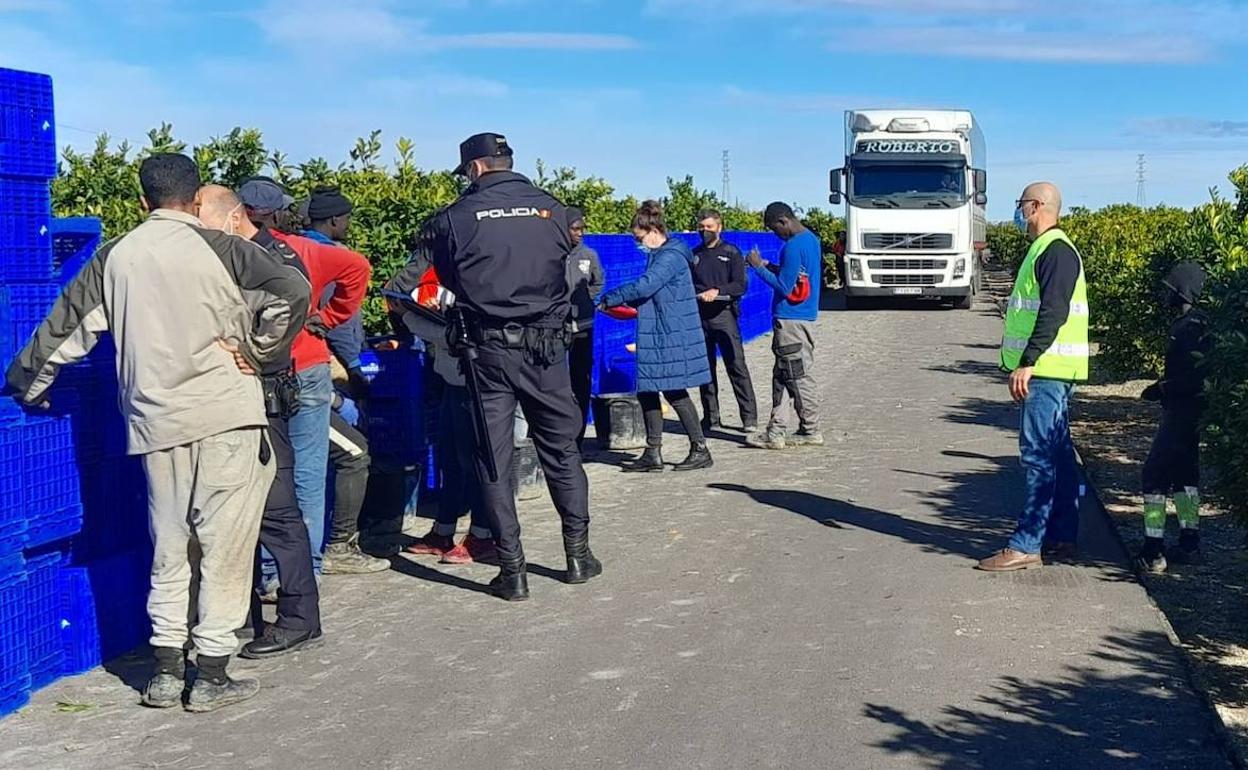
<point>855,269</point>
<point>959,268</point>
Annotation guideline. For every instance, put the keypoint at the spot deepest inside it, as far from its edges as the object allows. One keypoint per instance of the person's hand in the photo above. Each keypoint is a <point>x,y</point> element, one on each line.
<point>348,411</point>
<point>37,408</point>
<point>1020,383</point>
<point>316,326</point>
<point>1152,392</point>
<point>631,347</point>
<point>710,295</point>
<point>754,258</point>
<point>240,360</point>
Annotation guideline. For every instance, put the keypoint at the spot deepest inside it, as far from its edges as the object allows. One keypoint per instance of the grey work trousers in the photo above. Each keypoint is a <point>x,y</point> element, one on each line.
<point>205,501</point>
<point>793,343</point>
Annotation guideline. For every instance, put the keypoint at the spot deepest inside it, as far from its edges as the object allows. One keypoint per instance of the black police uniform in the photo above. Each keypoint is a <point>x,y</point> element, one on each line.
<point>722,267</point>
<point>1173,462</point>
<point>502,249</point>
<point>282,530</point>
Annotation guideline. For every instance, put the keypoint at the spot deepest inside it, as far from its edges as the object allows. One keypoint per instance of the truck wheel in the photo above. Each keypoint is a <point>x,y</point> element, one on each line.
<point>964,303</point>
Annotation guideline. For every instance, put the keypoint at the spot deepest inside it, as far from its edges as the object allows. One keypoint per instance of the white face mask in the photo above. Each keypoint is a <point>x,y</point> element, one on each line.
<point>229,220</point>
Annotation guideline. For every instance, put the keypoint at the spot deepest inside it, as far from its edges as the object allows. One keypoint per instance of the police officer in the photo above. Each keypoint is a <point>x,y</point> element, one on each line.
<point>502,249</point>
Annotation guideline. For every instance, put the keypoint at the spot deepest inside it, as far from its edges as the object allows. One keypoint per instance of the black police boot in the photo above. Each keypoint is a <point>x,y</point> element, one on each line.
<point>1188,551</point>
<point>699,458</point>
<point>582,564</point>
<point>651,461</point>
<point>277,641</point>
<point>164,690</point>
<point>512,582</point>
<point>1152,558</point>
<point>214,689</point>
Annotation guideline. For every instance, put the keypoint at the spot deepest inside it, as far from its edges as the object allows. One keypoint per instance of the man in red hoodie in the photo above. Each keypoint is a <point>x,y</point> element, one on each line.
<point>268,206</point>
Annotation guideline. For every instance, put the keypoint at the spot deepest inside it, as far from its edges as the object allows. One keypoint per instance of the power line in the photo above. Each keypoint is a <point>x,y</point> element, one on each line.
<point>1141,192</point>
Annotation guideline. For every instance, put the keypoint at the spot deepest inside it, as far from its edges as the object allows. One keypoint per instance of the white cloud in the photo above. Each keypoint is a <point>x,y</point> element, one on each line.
<point>1090,31</point>
<point>1180,128</point>
<point>549,41</point>
<point>32,6</point>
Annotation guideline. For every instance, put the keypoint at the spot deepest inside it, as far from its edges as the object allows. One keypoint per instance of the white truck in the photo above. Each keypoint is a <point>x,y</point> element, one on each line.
<point>915,188</point>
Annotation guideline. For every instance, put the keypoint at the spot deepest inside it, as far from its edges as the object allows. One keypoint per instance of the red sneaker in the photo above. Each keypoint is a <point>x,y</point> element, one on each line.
<point>431,545</point>
<point>473,549</point>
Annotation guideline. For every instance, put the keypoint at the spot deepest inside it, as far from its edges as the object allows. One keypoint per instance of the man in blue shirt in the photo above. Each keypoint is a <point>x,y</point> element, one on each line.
<point>795,307</point>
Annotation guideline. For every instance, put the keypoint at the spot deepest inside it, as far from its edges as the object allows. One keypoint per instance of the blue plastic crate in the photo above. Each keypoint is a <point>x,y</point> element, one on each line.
<point>74,242</point>
<point>43,616</point>
<point>114,508</point>
<point>14,658</point>
<point>28,304</point>
<point>398,374</point>
<point>396,430</point>
<point>52,497</point>
<point>12,493</point>
<point>104,608</point>
<point>27,125</point>
<point>25,229</point>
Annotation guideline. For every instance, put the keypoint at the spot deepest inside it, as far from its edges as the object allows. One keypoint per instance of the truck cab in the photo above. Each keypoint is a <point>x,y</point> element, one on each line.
<point>915,190</point>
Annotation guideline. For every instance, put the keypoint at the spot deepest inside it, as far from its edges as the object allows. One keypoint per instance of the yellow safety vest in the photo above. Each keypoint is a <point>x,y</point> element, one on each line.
<point>1067,357</point>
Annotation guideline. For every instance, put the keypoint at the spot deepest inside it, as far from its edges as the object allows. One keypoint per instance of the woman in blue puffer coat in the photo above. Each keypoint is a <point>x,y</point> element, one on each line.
<point>671,350</point>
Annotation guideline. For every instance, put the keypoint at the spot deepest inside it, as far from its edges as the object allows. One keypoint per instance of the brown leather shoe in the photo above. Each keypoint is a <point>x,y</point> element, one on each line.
<point>1009,560</point>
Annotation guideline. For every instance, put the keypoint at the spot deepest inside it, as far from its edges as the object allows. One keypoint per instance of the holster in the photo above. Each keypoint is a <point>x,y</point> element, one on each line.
<point>281,394</point>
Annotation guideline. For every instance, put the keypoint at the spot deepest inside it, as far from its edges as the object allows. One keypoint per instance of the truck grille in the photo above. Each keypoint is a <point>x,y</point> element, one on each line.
<point>907,279</point>
<point>905,241</point>
<point>907,264</point>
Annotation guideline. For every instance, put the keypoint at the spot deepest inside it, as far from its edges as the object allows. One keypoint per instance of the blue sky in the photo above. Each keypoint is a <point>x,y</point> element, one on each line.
<point>1068,90</point>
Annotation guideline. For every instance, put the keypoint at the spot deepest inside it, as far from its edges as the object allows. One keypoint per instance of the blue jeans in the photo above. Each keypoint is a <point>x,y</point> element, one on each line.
<point>309,436</point>
<point>1052,474</point>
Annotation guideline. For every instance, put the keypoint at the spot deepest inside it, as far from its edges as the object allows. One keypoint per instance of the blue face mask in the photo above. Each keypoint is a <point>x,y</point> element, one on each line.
<point>644,248</point>
<point>1020,221</point>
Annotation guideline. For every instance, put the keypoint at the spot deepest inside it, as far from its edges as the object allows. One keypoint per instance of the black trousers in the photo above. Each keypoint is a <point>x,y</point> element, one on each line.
<point>1174,460</point>
<point>545,395</point>
<point>723,335</point>
<point>581,368</point>
<point>457,451</point>
<point>284,534</point>
<point>348,453</point>
<point>652,413</point>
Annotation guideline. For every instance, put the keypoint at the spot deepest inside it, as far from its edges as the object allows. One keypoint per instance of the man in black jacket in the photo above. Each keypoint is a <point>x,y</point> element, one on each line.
<point>719,280</point>
<point>585,282</point>
<point>502,249</point>
<point>1173,464</point>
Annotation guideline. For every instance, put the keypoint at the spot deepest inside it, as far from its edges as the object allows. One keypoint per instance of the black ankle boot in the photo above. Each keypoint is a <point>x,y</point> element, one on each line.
<point>699,458</point>
<point>1188,551</point>
<point>1152,558</point>
<point>582,564</point>
<point>512,582</point>
<point>651,461</point>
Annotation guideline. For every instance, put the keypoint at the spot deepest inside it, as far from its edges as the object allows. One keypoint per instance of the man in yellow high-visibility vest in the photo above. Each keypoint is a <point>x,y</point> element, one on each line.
<point>1045,350</point>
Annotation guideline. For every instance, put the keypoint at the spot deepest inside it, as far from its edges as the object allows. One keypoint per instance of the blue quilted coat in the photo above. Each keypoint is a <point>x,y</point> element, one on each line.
<point>671,350</point>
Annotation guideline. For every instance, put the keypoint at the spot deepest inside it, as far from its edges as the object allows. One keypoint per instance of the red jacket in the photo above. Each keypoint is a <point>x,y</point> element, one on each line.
<point>349,271</point>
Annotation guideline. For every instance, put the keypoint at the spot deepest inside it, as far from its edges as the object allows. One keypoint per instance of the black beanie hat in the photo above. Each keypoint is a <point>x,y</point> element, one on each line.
<point>326,203</point>
<point>575,215</point>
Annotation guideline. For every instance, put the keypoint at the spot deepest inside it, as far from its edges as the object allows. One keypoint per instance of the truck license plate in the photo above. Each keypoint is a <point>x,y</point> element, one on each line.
<point>908,290</point>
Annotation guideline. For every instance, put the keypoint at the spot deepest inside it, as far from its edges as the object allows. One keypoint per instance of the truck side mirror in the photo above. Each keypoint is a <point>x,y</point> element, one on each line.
<point>981,186</point>
<point>834,185</point>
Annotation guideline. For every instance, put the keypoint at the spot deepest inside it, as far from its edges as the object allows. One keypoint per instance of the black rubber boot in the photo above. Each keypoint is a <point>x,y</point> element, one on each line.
<point>651,461</point>
<point>582,564</point>
<point>164,690</point>
<point>699,458</point>
<point>1152,558</point>
<point>512,582</point>
<point>1188,551</point>
<point>214,689</point>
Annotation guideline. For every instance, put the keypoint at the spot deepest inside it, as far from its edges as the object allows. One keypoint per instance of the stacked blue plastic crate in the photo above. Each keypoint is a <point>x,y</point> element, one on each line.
<point>53,463</point>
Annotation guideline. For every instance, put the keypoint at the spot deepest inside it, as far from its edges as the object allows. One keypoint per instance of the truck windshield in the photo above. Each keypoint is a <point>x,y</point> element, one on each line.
<point>909,186</point>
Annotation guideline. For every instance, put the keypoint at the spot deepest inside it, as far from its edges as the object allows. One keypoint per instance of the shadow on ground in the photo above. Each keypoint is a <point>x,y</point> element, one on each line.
<point>1093,715</point>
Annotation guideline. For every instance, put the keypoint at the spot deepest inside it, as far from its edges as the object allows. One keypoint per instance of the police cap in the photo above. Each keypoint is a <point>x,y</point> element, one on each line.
<point>487,145</point>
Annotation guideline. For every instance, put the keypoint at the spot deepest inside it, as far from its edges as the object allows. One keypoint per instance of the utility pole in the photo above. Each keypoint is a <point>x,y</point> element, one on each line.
<point>725,195</point>
<point>1141,195</point>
